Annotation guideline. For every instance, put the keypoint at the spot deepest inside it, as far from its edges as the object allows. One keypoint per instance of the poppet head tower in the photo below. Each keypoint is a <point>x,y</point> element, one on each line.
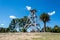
<point>33,18</point>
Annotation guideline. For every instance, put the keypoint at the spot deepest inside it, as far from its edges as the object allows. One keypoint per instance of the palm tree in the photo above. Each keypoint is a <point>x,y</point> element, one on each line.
<point>45,18</point>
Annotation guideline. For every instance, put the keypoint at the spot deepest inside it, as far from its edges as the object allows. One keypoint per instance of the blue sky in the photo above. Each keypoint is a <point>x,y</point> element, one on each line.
<point>18,9</point>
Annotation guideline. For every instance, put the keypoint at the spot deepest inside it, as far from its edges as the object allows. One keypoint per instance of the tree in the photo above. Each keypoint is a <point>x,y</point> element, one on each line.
<point>56,29</point>
<point>45,18</point>
<point>2,29</point>
<point>7,29</point>
<point>24,30</point>
<point>48,29</point>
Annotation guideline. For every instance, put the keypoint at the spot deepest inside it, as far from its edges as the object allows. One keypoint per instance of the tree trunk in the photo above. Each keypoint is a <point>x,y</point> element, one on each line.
<point>44,26</point>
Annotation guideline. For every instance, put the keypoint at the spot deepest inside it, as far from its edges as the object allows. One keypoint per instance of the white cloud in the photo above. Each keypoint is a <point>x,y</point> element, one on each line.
<point>12,17</point>
<point>2,24</point>
<point>51,13</point>
<point>28,7</point>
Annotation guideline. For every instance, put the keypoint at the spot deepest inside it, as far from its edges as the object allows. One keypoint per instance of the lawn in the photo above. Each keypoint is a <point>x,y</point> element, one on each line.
<point>30,36</point>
